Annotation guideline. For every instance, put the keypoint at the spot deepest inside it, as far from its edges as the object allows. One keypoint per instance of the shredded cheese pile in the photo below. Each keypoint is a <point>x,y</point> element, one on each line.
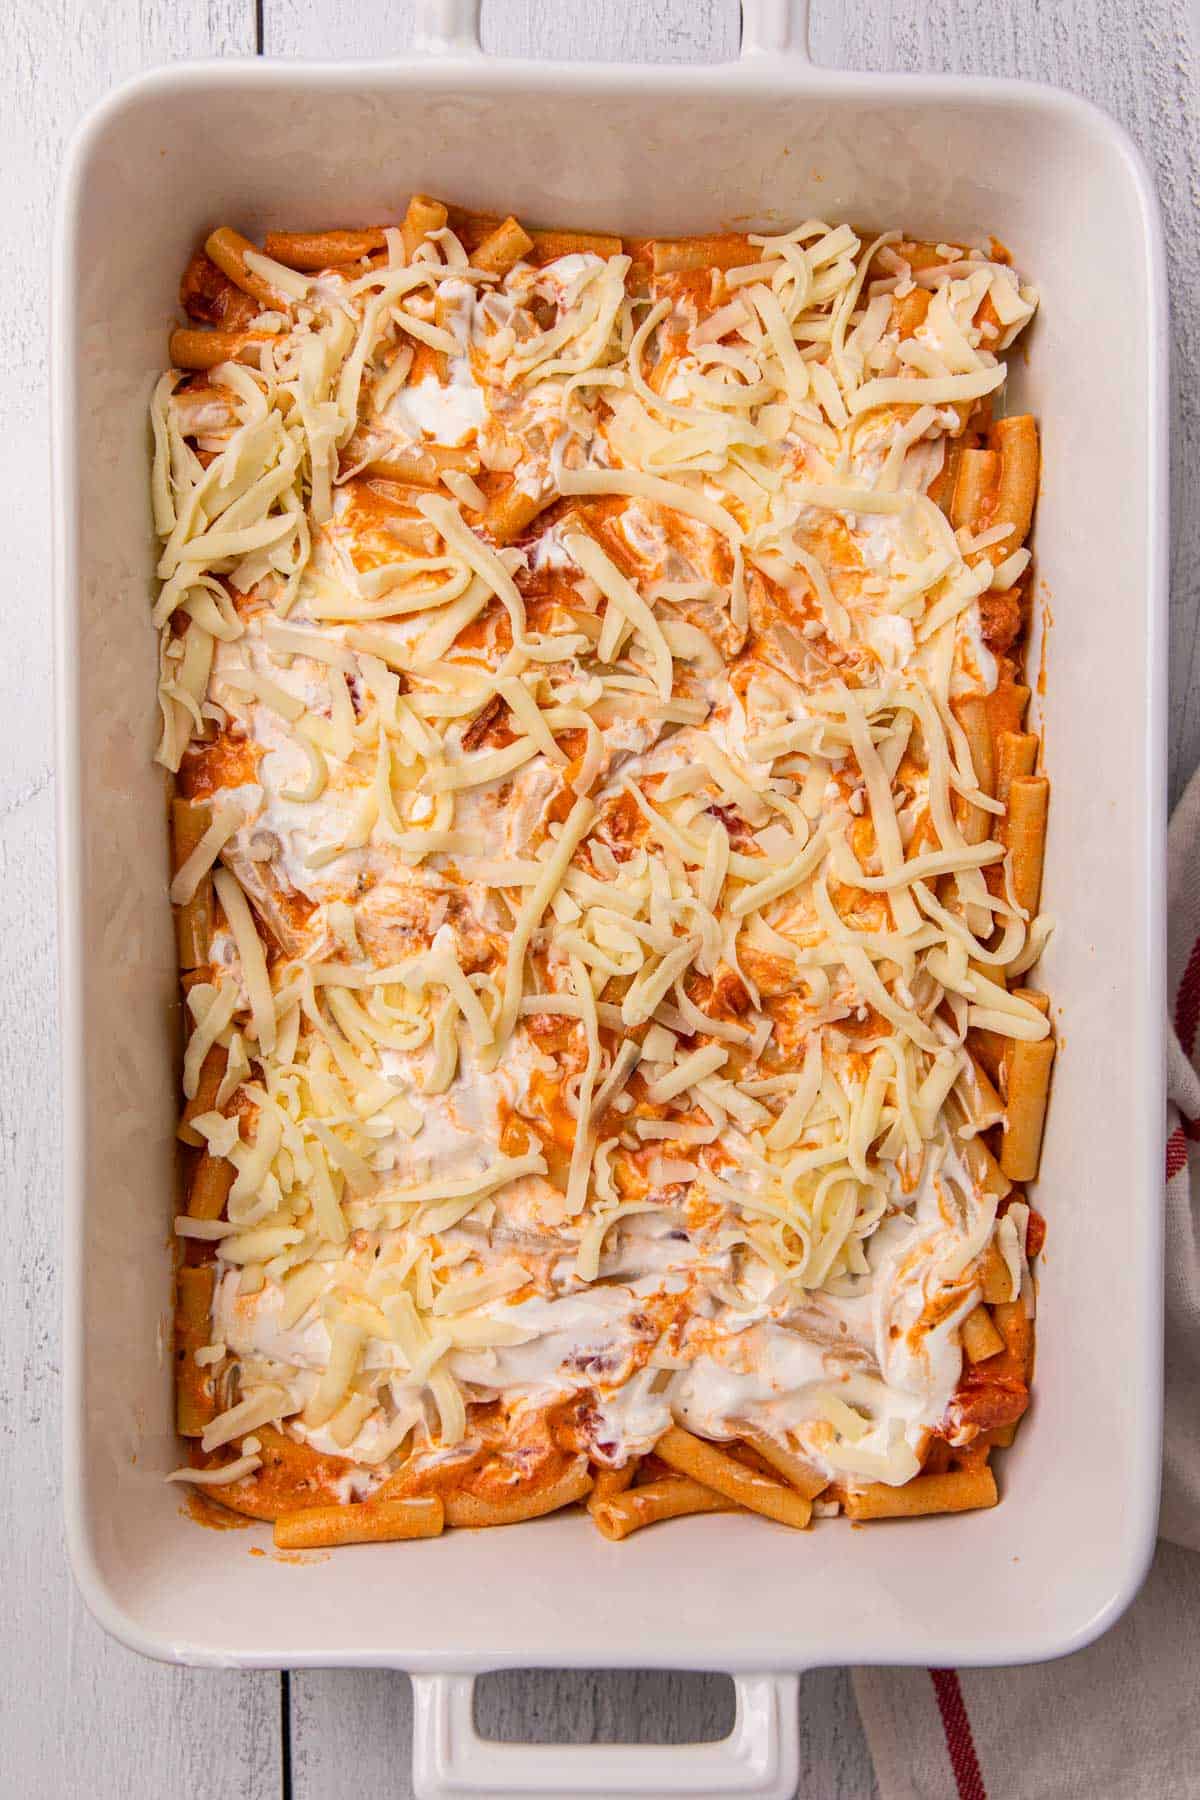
<point>602,912</point>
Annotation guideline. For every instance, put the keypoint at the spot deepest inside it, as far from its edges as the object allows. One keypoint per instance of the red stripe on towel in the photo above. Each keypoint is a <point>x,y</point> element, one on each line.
<point>1176,1151</point>
<point>1187,1002</point>
<point>968,1777</point>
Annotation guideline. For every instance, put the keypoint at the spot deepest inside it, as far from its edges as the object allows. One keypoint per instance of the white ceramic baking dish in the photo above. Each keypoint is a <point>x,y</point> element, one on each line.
<point>770,138</point>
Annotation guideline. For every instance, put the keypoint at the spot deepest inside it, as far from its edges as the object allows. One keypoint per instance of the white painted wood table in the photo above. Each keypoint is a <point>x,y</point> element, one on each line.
<point>78,1715</point>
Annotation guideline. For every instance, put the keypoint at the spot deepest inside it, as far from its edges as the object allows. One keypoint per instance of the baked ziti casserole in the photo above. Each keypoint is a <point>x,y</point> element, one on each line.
<point>607,863</point>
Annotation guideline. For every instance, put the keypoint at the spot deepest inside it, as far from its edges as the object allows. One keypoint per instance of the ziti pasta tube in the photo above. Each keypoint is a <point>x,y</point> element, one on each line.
<point>193,920</point>
<point>974,490</point>
<point>230,250</point>
<point>1016,441</point>
<point>958,1490</point>
<point>674,1497</point>
<point>212,1073</point>
<point>548,246</point>
<point>502,247</point>
<point>465,1509</point>
<point>378,1522</point>
<point>1016,755</point>
<point>973,717</point>
<point>677,256</point>
<point>705,1463</point>
<point>195,1405</point>
<point>312,251</point>
<point>610,1482</point>
<point>208,1191</point>
<point>512,512</point>
<point>796,1470</point>
<point>1027,1068</point>
<point>423,216</point>
<point>208,349</point>
<point>979,1335</point>
<point>1025,835</point>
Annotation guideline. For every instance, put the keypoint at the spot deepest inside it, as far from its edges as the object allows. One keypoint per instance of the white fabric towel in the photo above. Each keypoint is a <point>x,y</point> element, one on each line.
<point>1121,1720</point>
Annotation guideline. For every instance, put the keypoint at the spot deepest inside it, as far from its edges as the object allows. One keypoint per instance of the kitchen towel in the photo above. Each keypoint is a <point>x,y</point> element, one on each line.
<point>1120,1720</point>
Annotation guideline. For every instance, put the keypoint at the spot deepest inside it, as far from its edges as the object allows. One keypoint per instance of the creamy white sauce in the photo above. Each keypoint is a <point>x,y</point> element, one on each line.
<point>975,668</point>
<point>460,1130</point>
<point>550,552</point>
<point>890,636</point>
<point>447,414</point>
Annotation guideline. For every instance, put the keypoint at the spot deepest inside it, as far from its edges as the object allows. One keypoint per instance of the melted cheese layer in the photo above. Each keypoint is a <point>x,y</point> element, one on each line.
<point>620,871</point>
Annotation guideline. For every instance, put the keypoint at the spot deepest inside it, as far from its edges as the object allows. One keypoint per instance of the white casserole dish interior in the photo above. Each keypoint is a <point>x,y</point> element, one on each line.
<point>670,150</point>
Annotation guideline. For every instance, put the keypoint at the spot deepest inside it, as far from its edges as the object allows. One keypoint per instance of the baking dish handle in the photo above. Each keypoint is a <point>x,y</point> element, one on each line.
<point>772,26</point>
<point>446,28</point>
<point>760,1757</point>
<point>451,28</point>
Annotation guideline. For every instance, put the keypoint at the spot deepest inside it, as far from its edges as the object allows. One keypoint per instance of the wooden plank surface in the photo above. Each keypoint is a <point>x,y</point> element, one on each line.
<point>81,1715</point>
